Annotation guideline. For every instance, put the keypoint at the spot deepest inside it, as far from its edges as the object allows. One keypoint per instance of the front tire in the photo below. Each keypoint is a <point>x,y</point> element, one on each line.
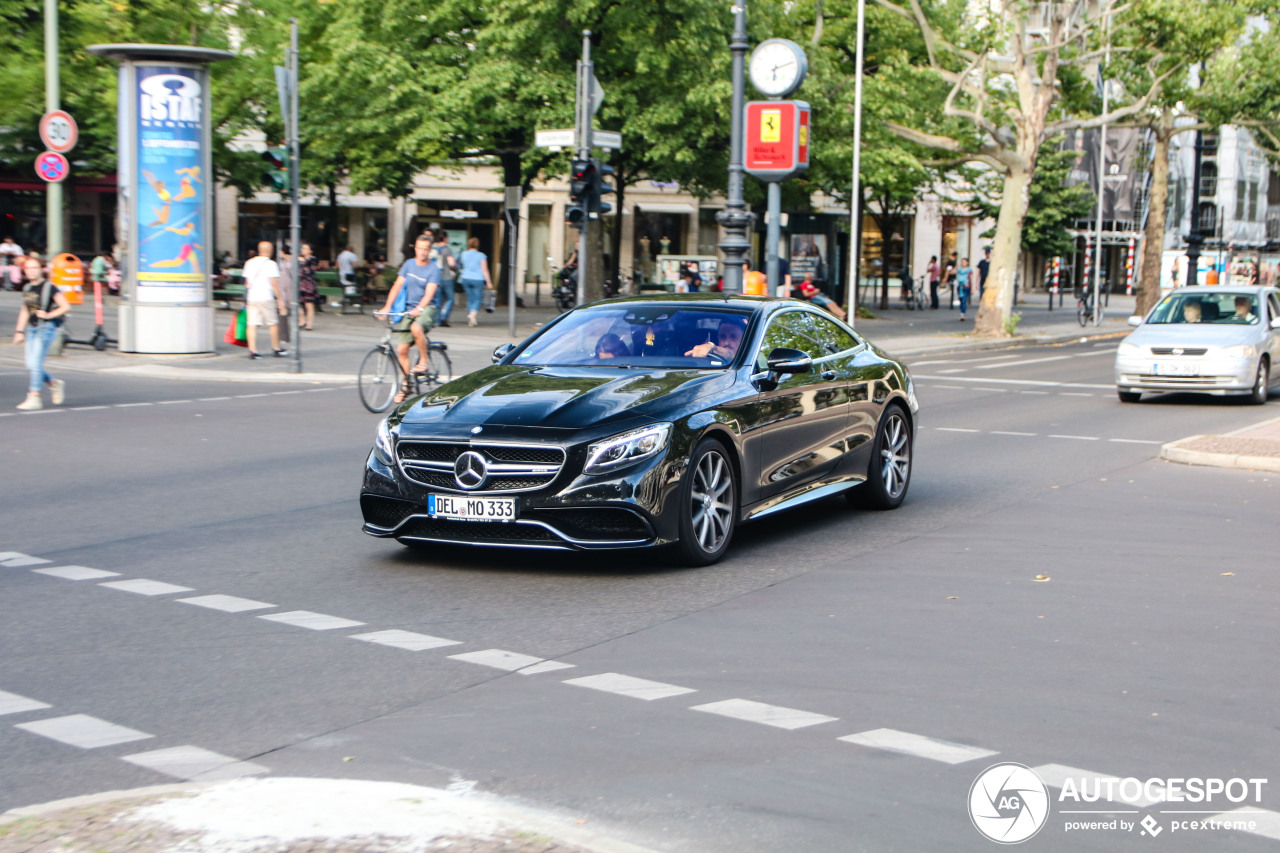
<point>708,505</point>
<point>889,473</point>
<point>1261,384</point>
<point>379,379</point>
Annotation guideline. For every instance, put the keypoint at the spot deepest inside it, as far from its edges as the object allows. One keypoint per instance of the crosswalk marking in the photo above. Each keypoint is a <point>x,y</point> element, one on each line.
<point>545,666</point>
<point>83,731</point>
<point>769,715</point>
<point>405,640</point>
<point>498,659</point>
<point>12,703</point>
<point>313,621</point>
<point>226,603</point>
<point>14,560</point>
<point>918,745</point>
<point>142,586</point>
<point>1055,775</point>
<point>76,573</point>
<point>194,764</point>
<point>626,685</point>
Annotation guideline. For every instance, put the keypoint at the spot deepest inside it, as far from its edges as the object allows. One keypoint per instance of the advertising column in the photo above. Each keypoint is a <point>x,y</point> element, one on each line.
<point>165,197</point>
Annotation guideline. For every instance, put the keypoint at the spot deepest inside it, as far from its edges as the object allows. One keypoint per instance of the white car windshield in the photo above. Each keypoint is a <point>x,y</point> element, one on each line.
<point>1225,308</point>
<point>641,335</point>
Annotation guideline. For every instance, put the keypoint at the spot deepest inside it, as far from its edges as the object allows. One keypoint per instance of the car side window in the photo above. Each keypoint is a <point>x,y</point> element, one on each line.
<point>832,338</point>
<point>1274,302</point>
<point>792,330</point>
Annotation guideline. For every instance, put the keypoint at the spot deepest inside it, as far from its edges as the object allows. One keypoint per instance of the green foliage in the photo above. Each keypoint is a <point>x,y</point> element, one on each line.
<point>1053,207</point>
<point>1011,324</point>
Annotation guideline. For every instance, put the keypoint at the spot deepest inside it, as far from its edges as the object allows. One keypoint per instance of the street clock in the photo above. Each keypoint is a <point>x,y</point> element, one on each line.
<point>778,67</point>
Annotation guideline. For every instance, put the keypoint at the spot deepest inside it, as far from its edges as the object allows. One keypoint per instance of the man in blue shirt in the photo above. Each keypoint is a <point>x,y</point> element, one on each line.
<point>419,279</point>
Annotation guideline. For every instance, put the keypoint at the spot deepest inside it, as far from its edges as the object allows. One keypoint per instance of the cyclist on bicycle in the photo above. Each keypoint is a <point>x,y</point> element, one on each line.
<point>410,297</point>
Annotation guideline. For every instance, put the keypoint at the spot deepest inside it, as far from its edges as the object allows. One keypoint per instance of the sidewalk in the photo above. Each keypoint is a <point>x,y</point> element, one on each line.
<point>332,353</point>
<point>1255,448</point>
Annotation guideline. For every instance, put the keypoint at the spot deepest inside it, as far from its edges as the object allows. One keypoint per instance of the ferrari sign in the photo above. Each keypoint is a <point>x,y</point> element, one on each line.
<point>777,139</point>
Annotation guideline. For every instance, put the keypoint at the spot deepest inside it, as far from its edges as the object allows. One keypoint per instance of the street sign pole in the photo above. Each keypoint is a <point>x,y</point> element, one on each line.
<point>295,214</point>
<point>52,97</point>
<point>736,219</point>
<point>586,77</point>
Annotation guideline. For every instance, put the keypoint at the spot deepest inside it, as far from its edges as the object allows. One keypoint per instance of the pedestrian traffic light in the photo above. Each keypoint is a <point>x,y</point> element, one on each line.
<point>596,206</point>
<point>575,216</point>
<point>579,180</point>
<point>278,173</point>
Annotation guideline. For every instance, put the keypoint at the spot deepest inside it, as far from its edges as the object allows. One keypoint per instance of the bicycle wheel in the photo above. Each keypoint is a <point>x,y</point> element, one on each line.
<point>1082,312</point>
<point>379,379</point>
<point>439,367</point>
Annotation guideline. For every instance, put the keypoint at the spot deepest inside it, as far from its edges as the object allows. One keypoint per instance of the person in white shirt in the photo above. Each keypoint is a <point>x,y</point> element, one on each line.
<point>263,298</point>
<point>347,263</point>
<point>10,252</point>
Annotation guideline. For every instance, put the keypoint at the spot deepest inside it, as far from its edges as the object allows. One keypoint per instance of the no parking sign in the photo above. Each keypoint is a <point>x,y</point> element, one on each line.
<point>52,167</point>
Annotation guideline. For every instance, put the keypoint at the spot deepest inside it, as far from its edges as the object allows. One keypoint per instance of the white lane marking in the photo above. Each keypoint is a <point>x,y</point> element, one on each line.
<point>44,412</point>
<point>283,393</point>
<point>76,573</point>
<point>955,429</point>
<point>226,603</point>
<point>12,703</point>
<point>970,361</point>
<point>626,685</point>
<point>1134,441</point>
<point>210,399</point>
<point>86,408</point>
<point>1027,361</point>
<point>1055,775</point>
<point>1078,437</point>
<point>1042,383</point>
<point>14,560</point>
<point>1076,394</point>
<point>313,621</point>
<point>1265,823</point>
<point>1010,432</point>
<point>248,396</point>
<point>769,715</point>
<point>405,640</point>
<point>997,390</point>
<point>83,731</point>
<point>954,370</point>
<point>545,666</point>
<point>952,387</point>
<point>919,745</point>
<point>194,764</point>
<point>1040,393</point>
<point>498,659</point>
<point>130,405</point>
<point>172,402</point>
<point>142,586</point>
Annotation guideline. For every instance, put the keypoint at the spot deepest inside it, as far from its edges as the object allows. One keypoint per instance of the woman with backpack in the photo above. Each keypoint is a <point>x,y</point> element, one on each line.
<point>43,307</point>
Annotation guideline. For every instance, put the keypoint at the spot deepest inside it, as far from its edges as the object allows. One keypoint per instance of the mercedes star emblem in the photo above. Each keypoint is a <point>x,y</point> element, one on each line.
<point>477,430</point>
<point>470,470</point>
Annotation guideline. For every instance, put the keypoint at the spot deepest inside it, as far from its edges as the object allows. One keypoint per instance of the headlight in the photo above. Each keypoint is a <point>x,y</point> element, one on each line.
<point>1238,351</point>
<point>1131,349</point>
<point>626,449</point>
<point>911,396</point>
<point>384,444</point>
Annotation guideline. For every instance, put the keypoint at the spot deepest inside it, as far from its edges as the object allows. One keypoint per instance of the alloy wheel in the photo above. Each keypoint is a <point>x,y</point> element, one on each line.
<point>712,501</point>
<point>895,455</point>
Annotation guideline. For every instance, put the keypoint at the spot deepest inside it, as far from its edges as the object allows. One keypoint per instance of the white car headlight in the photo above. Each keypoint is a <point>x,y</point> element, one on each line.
<point>384,444</point>
<point>1238,351</point>
<point>1131,350</point>
<point>626,449</point>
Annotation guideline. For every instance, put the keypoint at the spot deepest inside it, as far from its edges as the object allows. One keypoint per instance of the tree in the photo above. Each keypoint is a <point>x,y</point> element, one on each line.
<point>1053,206</point>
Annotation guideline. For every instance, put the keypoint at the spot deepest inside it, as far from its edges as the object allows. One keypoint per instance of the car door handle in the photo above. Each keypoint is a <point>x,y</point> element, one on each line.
<point>828,375</point>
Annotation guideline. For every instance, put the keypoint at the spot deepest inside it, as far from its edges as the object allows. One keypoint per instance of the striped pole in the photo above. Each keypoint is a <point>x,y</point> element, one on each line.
<point>1128,268</point>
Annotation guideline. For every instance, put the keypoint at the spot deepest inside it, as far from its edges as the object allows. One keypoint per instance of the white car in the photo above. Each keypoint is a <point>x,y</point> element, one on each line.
<point>1213,340</point>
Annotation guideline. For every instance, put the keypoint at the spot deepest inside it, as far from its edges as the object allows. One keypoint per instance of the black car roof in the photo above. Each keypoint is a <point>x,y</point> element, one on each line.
<point>762,304</point>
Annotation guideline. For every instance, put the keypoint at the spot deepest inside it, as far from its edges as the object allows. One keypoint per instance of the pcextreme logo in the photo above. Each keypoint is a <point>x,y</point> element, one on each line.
<point>1008,803</point>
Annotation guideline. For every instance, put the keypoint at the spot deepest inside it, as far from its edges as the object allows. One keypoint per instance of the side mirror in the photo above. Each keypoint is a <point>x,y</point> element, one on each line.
<point>783,360</point>
<point>502,352</point>
<point>1135,320</point>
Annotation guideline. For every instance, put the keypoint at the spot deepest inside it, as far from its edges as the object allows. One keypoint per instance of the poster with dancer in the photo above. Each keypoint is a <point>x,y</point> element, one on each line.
<point>170,187</point>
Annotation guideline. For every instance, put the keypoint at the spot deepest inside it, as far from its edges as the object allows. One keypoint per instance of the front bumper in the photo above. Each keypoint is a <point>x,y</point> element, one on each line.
<point>1217,375</point>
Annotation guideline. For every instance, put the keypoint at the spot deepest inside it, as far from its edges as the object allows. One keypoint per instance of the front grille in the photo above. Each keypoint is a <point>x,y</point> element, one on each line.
<point>510,467</point>
<point>604,523</point>
<point>385,512</point>
<point>1185,351</point>
<point>1153,379</point>
<point>475,531</point>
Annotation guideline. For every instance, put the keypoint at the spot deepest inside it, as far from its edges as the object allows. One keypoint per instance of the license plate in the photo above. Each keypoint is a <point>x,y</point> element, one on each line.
<point>462,508</point>
<point>1175,369</point>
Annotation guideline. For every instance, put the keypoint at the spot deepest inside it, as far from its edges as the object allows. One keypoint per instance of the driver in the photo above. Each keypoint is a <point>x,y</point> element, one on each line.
<point>611,346</point>
<point>1191,312</point>
<point>728,338</point>
<point>1244,310</point>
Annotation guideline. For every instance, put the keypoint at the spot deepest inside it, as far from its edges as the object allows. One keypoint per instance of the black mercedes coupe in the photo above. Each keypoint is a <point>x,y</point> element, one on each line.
<point>646,421</point>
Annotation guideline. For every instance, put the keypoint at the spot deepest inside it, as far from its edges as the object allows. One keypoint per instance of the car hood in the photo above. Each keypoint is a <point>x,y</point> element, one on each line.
<point>1194,335</point>
<point>561,397</point>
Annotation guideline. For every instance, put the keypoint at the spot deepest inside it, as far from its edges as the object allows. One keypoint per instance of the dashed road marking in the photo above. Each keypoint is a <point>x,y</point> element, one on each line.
<point>211,399</point>
<point>226,603</point>
<point>174,402</point>
<point>76,573</point>
<point>405,640</point>
<point>956,429</point>
<point>83,731</point>
<point>1055,775</point>
<point>130,405</point>
<point>15,560</point>
<point>919,746</point>
<point>142,586</point>
<point>1265,822</point>
<point>313,621</point>
<point>626,685</point>
<point>12,703</point>
<point>1134,441</point>
<point>1026,361</point>
<point>545,666</point>
<point>1035,383</point>
<point>1077,437</point>
<point>769,715</point>
<point>1010,432</point>
<point>86,408</point>
<point>194,764</point>
<point>498,659</point>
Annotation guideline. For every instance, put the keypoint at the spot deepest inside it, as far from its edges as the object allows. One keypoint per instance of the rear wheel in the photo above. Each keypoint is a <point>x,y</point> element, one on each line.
<point>1128,396</point>
<point>1082,313</point>
<point>379,379</point>
<point>1260,385</point>
<point>889,473</point>
<point>708,505</point>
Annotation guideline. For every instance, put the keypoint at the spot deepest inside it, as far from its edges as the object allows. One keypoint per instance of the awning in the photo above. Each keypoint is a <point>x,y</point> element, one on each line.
<point>666,207</point>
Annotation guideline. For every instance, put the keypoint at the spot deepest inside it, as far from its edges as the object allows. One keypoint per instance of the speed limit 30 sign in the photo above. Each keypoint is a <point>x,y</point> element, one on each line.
<point>58,131</point>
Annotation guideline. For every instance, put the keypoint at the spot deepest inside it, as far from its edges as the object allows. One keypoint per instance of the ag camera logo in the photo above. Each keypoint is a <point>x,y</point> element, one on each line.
<point>1008,803</point>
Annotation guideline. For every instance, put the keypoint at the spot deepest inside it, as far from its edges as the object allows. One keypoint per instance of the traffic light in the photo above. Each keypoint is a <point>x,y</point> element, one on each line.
<point>580,172</point>
<point>596,206</point>
<point>278,173</point>
<point>575,216</point>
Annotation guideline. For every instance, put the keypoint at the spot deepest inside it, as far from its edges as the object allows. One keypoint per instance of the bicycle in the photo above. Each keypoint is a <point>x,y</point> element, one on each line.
<point>1084,308</point>
<point>918,299</point>
<point>381,376</point>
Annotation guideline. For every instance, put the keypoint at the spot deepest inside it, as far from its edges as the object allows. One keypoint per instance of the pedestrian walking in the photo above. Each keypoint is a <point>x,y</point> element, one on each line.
<point>949,279</point>
<point>263,299</point>
<point>963,275</point>
<point>43,307</point>
<point>308,290</point>
<point>474,277</point>
<point>984,269</point>
<point>447,264</point>
<point>348,260</point>
<point>935,277</point>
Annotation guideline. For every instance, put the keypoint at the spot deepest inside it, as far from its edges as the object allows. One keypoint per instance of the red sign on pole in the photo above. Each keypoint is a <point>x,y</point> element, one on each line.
<point>777,139</point>
<point>58,131</point>
<point>52,167</point>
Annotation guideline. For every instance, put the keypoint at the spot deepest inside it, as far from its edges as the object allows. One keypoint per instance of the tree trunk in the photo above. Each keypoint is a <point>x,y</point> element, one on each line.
<point>997,300</point>
<point>333,222</point>
<point>1157,203</point>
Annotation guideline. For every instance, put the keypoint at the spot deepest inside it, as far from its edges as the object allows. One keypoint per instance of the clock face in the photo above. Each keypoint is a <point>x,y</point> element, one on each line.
<point>777,67</point>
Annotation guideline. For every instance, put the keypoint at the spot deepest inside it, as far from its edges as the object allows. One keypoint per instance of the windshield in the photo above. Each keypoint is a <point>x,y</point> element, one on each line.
<point>1225,308</point>
<point>640,335</point>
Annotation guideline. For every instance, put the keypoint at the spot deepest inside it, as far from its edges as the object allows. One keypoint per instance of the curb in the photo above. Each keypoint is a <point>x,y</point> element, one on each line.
<point>1173,453</point>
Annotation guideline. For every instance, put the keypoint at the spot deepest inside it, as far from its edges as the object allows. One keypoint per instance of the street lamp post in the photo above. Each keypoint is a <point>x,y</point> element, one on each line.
<point>52,101</point>
<point>1195,239</point>
<point>735,218</point>
<point>855,195</point>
